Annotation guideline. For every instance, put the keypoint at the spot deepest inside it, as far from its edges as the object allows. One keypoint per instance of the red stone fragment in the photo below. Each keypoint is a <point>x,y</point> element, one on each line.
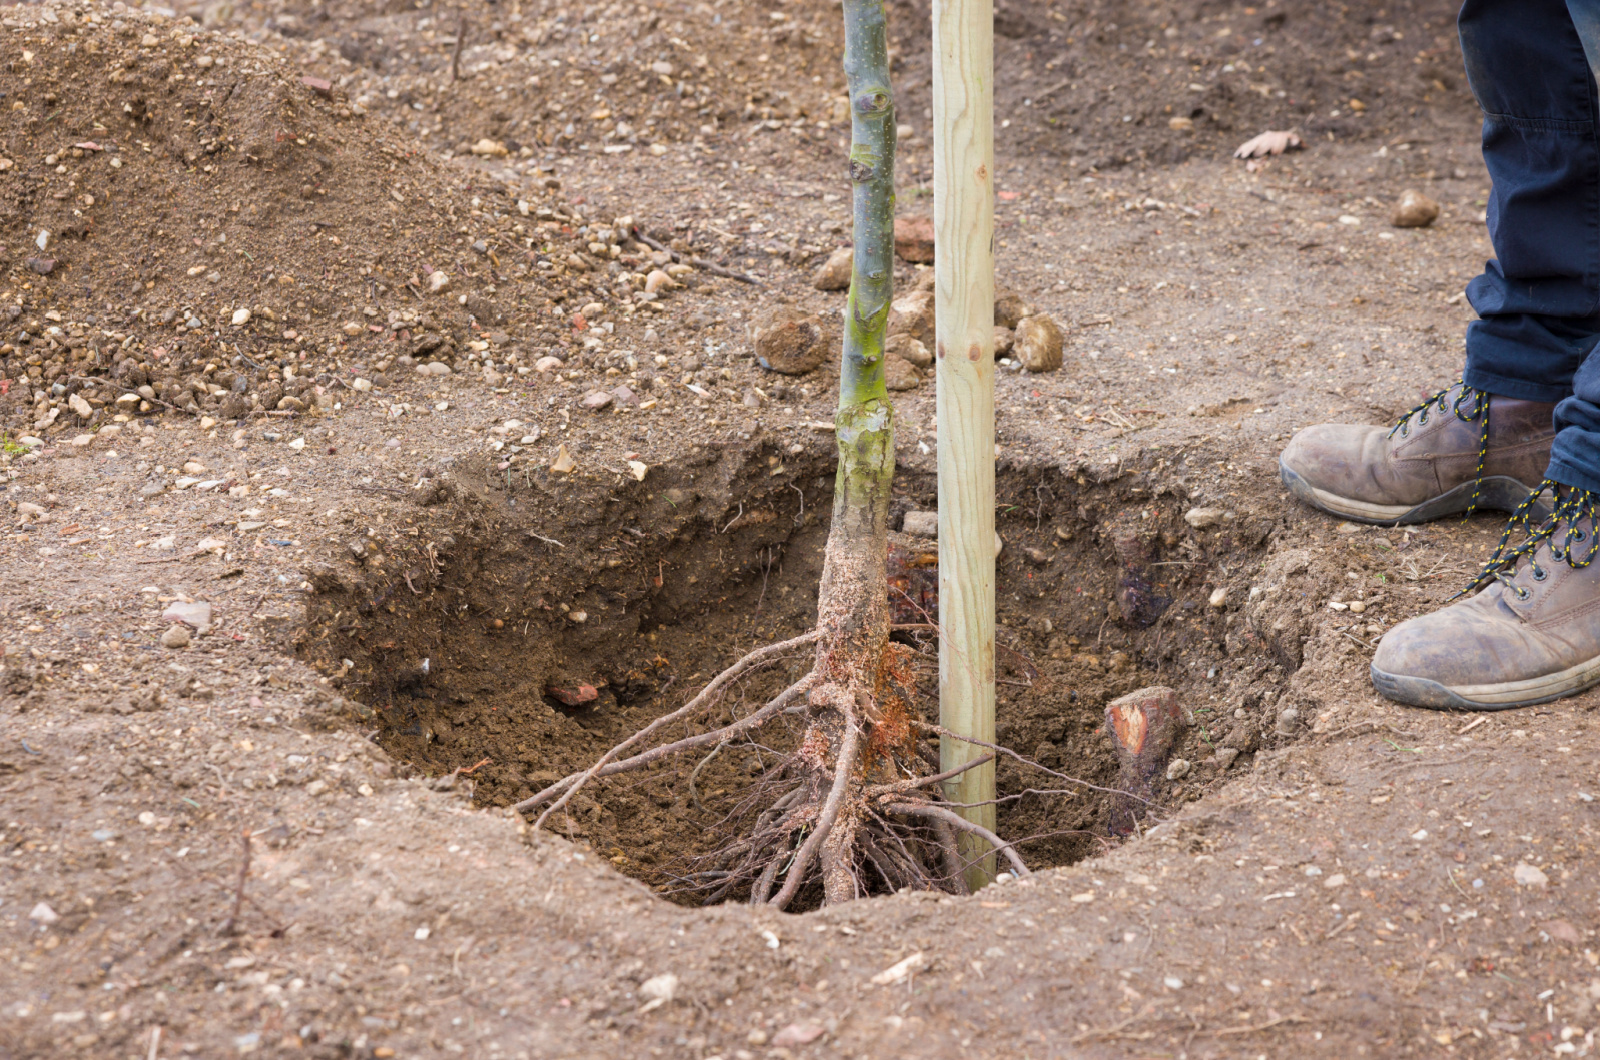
<point>319,86</point>
<point>575,696</point>
<point>913,239</point>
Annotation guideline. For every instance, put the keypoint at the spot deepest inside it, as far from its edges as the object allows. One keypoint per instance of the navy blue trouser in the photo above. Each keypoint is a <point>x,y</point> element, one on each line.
<point>1539,299</point>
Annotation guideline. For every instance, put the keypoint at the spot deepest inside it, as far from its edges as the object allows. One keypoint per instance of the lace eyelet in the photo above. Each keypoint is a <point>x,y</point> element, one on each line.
<point>1540,574</point>
<point>1579,536</point>
<point>1422,420</point>
<point>1522,593</point>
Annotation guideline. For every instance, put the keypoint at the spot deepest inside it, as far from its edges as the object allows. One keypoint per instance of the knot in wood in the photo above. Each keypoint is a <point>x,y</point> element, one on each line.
<point>860,172</point>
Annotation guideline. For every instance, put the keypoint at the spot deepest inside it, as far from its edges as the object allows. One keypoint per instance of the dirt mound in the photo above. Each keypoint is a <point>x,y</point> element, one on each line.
<point>186,212</point>
<point>535,77</point>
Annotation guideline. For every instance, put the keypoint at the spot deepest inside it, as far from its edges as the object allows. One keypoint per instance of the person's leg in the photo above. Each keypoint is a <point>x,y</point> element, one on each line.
<point>1539,299</point>
<point>1533,633</point>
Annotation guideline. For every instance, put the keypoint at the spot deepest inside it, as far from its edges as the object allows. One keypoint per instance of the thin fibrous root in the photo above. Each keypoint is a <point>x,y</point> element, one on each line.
<point>568,786</point>
<point>955,820</point>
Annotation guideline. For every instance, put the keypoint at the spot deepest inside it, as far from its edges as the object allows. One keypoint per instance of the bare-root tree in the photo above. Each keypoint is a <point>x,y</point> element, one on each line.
<point>853,806</point>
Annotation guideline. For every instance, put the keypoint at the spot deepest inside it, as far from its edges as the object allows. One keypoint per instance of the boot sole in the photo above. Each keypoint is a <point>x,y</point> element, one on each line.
<point>1422,692</point>
<point>1499,492</point>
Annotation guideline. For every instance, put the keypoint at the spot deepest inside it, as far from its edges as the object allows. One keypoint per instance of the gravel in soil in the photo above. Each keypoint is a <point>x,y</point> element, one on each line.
<point>1358,878</point>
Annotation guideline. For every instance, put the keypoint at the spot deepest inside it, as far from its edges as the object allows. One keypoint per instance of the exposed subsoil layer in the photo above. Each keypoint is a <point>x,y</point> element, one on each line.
<point>1368,881</point>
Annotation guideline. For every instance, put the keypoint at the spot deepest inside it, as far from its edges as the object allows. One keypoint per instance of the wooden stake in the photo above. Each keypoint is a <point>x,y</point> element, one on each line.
<point>963,221</point>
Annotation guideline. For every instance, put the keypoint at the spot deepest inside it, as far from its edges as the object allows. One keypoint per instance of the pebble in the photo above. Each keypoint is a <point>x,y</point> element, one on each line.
<point>1005,340</point>
<point>547,364</point>
<point>909,349</point>
<point>80,406</point>
<point>913,314</point>
<point>1178,768</point>
<point>360,383</point>
<point>176,636</point>
<point>1219,597</point>
<point>658,281</point>
<point>899,373</point>
<point>1038,344</point>
<point>913,239</point>
<point>1225,756</point>
<point>438,280</point>
<point>597,400</point>
<point>1528,876</point>
<point>198,613</point>
<point>1009,310</point>
<point>791,342</point>
<point>1415,210</point>
<point>662,987</point>
<point>241,317</point>
<point>43,914</point>
<point>834,274</point>
<point>1037,556</point>
<point>1203,518</point>
<point>921,524</point>
<point>1288,721</point>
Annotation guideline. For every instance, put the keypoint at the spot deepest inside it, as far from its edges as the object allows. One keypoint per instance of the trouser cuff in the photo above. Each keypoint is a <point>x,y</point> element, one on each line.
<point>1569,475</point>
<point>1520,389</point>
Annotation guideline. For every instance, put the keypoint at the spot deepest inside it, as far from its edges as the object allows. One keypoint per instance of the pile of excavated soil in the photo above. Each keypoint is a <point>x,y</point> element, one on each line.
<point>188,222</point>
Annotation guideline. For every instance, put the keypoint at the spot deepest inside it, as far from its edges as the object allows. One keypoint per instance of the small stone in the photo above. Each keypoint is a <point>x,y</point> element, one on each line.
<point>658,281</point>
<point>1203,518</point>
<point>176,636</point>
<point>1219,597</point>
<point>42,266</point>
<point>43,914</point>
<point>913,239</point>
<point>547,364</point>
<point>638,469</point>
<point>791,342</point>
<point>80,406</point>
<point>1037,556</point>
<point>194,467</point>
<point>576,696</point>
<point>438,280</point>
<point>563,464</point>
<point>1178,768</point>
<point>899,373</point>
<point>623,395</point>
<point>1358,606</point>
<point>580,617</point>
<point>921,524</point>
<point>197,614</point>
<point>241,317</point>
<point>1415,210</point>
<point>913,314</point>
<point>1038,344</point>
<point>487,148</point>
<point>320,86</point>
<point>1009,309</point>
<point>834,274</point>
<point>909,349</point>
<point>597,400</point>
<point>757,1037</point>
<point>1005,340</point>
<point>437,368</point>
<point>1335,881</point>
<point>361,383</point>
<point>1528,876</point>
<point>1288,721</point>
<point>659,987</point>
<point>1225,756</point>
<point>798,1034</point>
<point>1180,123</point>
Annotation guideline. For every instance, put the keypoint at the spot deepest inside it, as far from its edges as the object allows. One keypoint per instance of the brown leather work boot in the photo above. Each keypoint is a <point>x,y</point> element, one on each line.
<point>1459,451</point>
<point>1533,635</point>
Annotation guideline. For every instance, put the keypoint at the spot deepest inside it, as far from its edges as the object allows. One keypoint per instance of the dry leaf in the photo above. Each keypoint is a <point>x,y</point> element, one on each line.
<point>1268,143</point>
<point>563,464</point>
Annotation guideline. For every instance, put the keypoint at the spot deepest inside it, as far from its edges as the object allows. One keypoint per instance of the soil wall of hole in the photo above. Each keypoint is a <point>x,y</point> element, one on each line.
<point>469,644</point>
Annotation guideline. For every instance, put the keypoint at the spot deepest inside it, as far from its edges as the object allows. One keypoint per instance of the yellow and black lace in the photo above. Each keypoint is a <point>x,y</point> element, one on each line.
<point>1477,408</point>
<point>1575,510</point>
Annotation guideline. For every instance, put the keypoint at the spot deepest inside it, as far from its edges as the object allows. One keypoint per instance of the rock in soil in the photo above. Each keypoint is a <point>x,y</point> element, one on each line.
<point>912,314</point>
<point>1005,341</point>
<point>834,274</point>
<point>1009,309</point>
<point>1415,210</point>
<point>921,524</point>
<point>792,342</point>
<point>908,348</point>
<point>176,636</point>
<point>1038,344</point>
<point>899,373</point>
<point>913,239</point>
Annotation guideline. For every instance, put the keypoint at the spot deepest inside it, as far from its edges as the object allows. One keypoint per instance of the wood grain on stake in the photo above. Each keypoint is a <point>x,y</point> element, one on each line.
<point>963,218</point>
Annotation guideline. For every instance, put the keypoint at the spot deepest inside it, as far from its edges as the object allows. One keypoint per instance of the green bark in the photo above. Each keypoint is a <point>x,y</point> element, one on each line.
<point>865,421</point>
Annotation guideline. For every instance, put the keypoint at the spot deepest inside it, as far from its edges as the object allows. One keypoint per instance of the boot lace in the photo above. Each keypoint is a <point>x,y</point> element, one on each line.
<point>1469,405</point>
<point>1561,530</point>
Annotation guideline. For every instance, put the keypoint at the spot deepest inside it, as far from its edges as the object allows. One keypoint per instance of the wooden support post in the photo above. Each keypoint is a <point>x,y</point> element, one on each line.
<point>963,220</point>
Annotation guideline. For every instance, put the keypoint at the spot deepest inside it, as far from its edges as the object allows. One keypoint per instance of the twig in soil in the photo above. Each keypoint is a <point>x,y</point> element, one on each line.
<point>415,591</point>
<point>901,786</point>
<point>455,56</point>
<point>694,775</point>
<point>1473,724</point>
<point>546,540</point>
<point>699,263</point>
<point>129,390</point>
<point>469,770</point>
<point>155,1043</point>
<point>229,925</point>
<point>1449,872</point>
<point>1254,1027</point>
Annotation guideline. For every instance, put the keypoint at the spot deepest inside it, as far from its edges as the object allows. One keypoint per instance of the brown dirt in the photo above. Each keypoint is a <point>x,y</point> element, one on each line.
<point>390,911</point>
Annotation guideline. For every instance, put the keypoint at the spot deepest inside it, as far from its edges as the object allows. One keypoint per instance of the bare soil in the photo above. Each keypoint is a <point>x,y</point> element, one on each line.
<point>401,583</point>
